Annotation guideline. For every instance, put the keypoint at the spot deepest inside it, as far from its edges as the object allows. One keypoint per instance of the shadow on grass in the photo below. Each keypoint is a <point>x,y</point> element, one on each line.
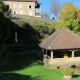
<point>26,35</point>
<point>18,62</point>
<point>76,75</point>
<point>15,76</point>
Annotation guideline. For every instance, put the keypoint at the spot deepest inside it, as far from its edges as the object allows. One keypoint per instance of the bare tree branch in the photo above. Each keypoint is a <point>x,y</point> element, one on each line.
<point>55,7</point>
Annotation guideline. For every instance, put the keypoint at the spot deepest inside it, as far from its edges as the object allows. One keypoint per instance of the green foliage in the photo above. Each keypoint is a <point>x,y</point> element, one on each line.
<point>4,23</point>
<point>69,17</point>
<point>7,11</point>
<point>4,28</point>
<point>23,66</point>
<point>68,12</point>
<point>1,6</point>
<point>67,71</point>
<point>79,15</point>
<point>37,27</point>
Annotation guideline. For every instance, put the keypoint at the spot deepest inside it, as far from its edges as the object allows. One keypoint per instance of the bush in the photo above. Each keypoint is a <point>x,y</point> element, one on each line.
<point>67,71</point>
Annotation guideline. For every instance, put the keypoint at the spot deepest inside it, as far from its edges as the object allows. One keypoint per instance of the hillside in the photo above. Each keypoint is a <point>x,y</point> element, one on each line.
<point>32,29</point>
<point>34,20</point>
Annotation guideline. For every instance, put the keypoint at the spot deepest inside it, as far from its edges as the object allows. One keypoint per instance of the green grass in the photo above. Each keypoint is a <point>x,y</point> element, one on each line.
<point>36,28</point>
<point>41,73</point>
<point>33,21</point>
<point>28,67</point>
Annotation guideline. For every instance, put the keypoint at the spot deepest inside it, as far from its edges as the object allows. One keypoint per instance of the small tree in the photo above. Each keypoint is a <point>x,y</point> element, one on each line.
<point>69,17</point>
<point>55,7</point>
<point>45,15</point>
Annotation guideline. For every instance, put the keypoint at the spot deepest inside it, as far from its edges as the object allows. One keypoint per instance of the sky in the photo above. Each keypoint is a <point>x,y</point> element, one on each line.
<point>45,7</point>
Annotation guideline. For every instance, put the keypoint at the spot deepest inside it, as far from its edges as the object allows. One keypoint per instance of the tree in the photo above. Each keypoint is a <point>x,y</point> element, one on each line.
<point>45,15</point>
<point>55,8</point>
<point>1,6</point>
<point>69,17</point>
<point>68,12</point>
<point>79,17</point>
<point>7,11</point>
<point>4,26</point>
<point>4,9</point>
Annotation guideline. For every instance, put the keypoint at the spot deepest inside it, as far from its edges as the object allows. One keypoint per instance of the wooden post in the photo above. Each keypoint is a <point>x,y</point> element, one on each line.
<point>46,52</point>
<point>51,54</point>
<point>73,53</point>
<point>43,51</point>
<point>43,54</point>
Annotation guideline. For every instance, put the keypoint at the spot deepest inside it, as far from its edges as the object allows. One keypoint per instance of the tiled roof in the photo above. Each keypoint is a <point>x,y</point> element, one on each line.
<point>61,39</point>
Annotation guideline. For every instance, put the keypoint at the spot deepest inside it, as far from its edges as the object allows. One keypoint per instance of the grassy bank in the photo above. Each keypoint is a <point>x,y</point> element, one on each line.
<point>28,67</point>
<point>42,27</point>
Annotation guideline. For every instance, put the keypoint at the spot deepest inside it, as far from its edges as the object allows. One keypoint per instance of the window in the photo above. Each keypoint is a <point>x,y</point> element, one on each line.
<point>29,6</point>
<point>20,6</point>
<point>15,5</point>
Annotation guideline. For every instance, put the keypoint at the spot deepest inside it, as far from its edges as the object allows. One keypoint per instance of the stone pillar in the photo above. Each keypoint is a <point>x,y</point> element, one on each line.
<point>44,57</point>
<point>73,53</point>
<point>51,54</point>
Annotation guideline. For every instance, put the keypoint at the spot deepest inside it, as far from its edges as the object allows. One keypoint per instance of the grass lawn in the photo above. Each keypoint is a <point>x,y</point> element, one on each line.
<point>27,67</point>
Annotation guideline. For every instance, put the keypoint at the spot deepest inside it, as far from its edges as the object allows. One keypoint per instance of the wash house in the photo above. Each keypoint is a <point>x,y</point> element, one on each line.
<point>59,48</point>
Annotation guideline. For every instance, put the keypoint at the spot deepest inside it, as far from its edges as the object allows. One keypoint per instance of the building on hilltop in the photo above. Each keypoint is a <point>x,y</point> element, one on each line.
<point>24,7</point>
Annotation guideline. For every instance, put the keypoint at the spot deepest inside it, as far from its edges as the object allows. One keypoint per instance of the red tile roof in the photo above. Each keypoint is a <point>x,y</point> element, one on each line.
<point>61,39</point>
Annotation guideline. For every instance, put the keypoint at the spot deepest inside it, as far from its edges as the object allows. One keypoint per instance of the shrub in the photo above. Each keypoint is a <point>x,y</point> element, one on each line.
<point>67,71</point>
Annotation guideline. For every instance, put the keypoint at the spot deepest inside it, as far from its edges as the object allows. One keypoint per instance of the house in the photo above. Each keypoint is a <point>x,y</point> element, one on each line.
<point>58,44</point>
<point>24,7</point>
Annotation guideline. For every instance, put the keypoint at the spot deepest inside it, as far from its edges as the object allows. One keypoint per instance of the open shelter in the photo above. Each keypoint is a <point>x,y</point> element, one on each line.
<point>61,41</point>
